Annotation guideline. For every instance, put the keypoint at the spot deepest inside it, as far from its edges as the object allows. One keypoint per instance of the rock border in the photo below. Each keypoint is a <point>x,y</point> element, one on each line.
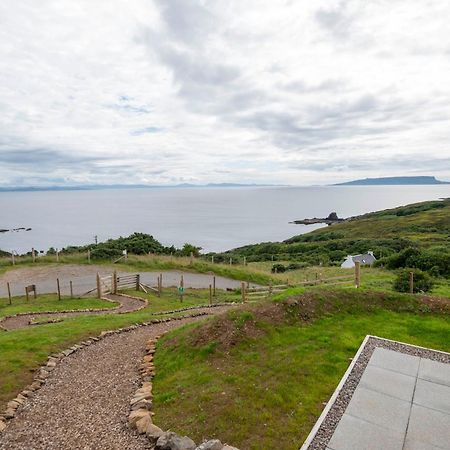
<point>140,417</point>
<point>45,369</point>
<point>325,426</point>
<point>86,310</point>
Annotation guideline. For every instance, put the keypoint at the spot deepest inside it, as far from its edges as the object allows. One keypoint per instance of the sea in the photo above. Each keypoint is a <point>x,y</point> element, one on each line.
<point>215,219</point>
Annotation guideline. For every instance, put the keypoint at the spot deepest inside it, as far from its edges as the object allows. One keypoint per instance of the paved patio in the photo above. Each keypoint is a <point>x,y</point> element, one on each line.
<point>401,402</point>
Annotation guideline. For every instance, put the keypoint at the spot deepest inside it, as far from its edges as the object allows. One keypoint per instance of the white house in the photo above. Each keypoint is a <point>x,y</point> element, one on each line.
<point>365,259</point>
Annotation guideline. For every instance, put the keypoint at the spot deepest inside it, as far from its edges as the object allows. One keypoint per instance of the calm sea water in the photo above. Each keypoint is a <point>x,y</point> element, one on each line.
<point>215,219</point>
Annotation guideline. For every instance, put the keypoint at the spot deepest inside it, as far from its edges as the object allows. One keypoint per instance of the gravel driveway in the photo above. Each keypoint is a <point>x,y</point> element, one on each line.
<point>85,402</point>
<point>84,279</point>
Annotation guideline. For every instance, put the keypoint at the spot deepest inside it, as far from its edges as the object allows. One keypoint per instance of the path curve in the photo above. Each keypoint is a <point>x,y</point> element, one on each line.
<point>85,402</point>
<point>126,305</point>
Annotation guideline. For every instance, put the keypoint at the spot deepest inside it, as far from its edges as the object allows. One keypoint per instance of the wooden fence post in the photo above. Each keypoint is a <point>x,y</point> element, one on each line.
<point>114,282</point>
<point>33,254</point>
<point>182,288</point>
<point>245,260</point>
<point>191,258</point>
<point>9,292</point>
<point>89,256</point>
<point>13,258</point>
<point>26,293</point>
<point>71,288</point>
<point>231,261</point>
<point>243,292</point>
<point>411,282</point>
<point>138,282</point>
<point>57,256</point>
<point>212,259</point>
<point>99,286</point>
<point>214,285</point>
<point>357,274</point>
<point>210,295</point>
<point>59,289</point>
<point>160,284</point>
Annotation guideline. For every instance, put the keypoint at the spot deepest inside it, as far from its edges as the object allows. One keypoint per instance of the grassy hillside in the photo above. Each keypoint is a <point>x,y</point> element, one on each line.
<point>423,226</point>
<point>269,369</point>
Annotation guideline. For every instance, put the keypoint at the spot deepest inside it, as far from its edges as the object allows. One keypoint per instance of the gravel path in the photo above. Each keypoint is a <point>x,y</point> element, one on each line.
<point>84,404</point>
<point>127,304</point>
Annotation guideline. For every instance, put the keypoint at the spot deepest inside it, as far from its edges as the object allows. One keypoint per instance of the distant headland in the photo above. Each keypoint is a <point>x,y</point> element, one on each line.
<point>393,181</point>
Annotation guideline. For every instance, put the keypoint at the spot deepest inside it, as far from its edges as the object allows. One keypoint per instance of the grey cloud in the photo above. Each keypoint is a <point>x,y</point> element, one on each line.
<point>43,158</point>
<point>187,21</point>
<point>335,19</point>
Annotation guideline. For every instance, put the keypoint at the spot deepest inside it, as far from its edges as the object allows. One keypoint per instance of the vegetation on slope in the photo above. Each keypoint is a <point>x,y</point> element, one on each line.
<point>259,377</point>
<point>423,227</point>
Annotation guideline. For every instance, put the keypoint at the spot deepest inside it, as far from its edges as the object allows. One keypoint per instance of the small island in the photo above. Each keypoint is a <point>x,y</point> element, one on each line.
<point>393,181</point>
<point>330,220</point>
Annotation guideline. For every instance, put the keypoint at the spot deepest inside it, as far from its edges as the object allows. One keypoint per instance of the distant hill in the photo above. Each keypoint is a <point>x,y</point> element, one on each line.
<point>92,187</point>
<point>391,181</point>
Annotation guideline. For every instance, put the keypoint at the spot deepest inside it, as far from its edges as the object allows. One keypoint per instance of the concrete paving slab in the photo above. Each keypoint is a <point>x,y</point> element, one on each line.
<point>392,396</point>
<point>379,409</point>
<point>395,361</point>
<point>388,382</point>
<point>429,426</point>
<point>435,371</point>
<point>432,395</point>
<point>417,445</point>
<point>356,434</point>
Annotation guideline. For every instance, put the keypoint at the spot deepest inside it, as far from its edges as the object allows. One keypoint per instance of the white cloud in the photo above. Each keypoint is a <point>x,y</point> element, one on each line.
<point>168,91</point>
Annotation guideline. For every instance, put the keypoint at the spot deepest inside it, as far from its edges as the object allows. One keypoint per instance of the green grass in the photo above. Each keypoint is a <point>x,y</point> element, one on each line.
<point>268,389</point>
<point>50,302</point>
<point>22,350</point>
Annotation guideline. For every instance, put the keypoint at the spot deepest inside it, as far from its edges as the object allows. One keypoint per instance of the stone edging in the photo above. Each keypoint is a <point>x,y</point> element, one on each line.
<point>190,308</point>
<point>140,417</point>
<point>42,373</point>
<point>64,311</point>
<point>88,310</point>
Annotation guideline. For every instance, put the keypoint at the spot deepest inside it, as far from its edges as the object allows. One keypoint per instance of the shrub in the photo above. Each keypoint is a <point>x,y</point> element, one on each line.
<point>422,281</point>
<point>278,268</point>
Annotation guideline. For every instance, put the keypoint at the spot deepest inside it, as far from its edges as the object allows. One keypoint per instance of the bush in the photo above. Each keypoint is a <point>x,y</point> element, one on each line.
<point>278,268</point>
<point>422,281</point>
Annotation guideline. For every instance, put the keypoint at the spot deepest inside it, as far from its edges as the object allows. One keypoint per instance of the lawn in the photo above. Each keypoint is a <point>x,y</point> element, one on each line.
<point>50,302</point>
<point>257,379</point>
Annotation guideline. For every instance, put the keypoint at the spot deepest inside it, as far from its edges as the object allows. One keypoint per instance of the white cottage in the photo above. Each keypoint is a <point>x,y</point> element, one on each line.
<point>365,259</point>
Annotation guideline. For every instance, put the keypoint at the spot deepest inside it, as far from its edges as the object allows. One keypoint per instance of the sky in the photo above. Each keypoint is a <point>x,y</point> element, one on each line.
<point>205,91</point>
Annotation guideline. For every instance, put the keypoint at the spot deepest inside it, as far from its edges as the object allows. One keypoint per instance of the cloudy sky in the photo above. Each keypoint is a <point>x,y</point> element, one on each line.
<point>171,91</point>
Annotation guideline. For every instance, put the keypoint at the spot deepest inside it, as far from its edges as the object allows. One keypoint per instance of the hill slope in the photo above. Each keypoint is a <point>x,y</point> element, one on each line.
<point>423,226</point>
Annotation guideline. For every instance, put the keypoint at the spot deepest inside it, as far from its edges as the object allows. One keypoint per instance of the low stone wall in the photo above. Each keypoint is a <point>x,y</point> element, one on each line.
<point>140,417</point>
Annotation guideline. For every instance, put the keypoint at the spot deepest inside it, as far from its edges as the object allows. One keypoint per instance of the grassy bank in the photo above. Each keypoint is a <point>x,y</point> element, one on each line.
<point>269,370</point>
